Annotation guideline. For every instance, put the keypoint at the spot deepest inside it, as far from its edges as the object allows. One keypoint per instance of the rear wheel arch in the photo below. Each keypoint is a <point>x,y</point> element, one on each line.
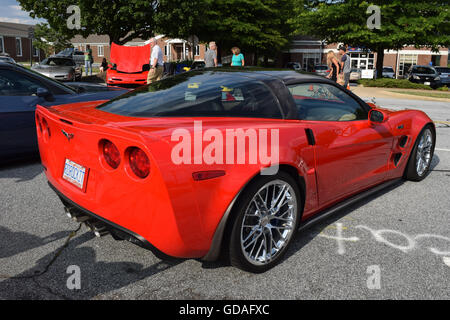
<point>285,168</point>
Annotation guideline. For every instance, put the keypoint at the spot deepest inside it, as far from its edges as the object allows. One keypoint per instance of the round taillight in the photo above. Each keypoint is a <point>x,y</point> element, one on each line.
<point>111,154</point>
<point>139,162</point>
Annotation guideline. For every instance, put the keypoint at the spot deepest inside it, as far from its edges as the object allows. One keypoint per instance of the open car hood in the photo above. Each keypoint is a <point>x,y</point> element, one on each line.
<point>130,59</point>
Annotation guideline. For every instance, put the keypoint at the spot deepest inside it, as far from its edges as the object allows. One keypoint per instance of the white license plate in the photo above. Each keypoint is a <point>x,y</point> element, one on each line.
<point>427,83</point>
<point>74,173</point>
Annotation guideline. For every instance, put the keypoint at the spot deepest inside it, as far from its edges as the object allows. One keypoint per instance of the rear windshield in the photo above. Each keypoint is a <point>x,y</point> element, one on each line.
<point>193,94</point>
<point>442,69</point>
<point>321,67</point>
<point>423,70</point>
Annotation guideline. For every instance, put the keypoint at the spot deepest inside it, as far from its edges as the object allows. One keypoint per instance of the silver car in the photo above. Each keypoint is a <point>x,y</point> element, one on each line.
<point>62,69</point>
<point>355,74</point>
<point>388,72</point>
<point>321,70</point>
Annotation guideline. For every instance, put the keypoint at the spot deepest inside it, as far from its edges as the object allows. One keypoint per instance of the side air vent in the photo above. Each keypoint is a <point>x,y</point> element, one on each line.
<point>402,142</point>
<point>397,158</point>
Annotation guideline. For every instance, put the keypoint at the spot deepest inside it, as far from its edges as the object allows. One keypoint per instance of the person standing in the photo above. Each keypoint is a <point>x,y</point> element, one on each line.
<point>238,58</point>
<point>333,64</point>
<point>345,65</point>
<point>211,55</point>
<point>88,59</point>
<point>156,63</point>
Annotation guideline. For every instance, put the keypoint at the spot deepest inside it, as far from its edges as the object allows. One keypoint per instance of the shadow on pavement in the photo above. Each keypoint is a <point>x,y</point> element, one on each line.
<point>23,170</point>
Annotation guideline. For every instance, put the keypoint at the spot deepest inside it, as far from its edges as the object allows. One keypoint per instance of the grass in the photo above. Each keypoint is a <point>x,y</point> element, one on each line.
<point>424,94</point>
<point>393,83</point>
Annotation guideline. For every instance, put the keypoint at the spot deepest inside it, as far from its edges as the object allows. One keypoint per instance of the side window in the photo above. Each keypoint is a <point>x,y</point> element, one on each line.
<point>325,102</point>
<point>13,83</point>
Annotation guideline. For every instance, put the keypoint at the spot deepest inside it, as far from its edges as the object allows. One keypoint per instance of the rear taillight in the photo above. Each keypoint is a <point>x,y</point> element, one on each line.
<point>110,153</point>
<point>139,162</point>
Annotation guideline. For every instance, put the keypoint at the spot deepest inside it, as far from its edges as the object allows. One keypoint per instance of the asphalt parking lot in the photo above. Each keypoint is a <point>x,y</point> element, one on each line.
<point>393,245</point>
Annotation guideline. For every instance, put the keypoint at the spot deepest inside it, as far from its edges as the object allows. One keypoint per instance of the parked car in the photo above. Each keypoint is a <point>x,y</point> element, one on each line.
<point>355,74</point>
<point>321,70</point>
<point>138,179</point>
<point>20,90</point>
<point>75,54</point>
<point>388,72</point>
<point>6,58</point>
<point>294,66</point>
<point>426,75</point>
<point>444,74</point>
<point>129,65</point>
<point>58,68</point>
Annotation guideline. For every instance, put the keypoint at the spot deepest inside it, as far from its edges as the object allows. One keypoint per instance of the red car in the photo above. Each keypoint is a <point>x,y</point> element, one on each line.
<point>129,65</point>
<point>182,166</point>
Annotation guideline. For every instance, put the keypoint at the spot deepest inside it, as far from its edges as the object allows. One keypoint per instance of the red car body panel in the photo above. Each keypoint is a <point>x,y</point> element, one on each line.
<point>179,216</point>
<point>129,61</point>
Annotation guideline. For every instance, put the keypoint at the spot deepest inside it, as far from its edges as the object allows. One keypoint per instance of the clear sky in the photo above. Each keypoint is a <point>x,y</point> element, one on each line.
<point>10,11</point>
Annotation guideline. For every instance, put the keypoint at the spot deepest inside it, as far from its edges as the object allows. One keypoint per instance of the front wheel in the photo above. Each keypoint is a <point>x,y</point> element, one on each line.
<point>421,155</point>
<point>266,219</point>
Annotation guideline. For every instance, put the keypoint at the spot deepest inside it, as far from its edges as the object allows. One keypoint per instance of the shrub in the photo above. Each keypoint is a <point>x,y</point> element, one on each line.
<point>444,88</point>
<point>393,83</point>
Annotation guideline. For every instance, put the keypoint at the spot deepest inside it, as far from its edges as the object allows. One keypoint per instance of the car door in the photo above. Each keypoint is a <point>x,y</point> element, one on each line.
<point>351,154</point>
<point>17,106</point>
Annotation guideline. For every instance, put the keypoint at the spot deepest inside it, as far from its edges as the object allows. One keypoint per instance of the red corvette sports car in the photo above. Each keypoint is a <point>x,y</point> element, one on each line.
<point>130,65</point>
<point>183,167</point>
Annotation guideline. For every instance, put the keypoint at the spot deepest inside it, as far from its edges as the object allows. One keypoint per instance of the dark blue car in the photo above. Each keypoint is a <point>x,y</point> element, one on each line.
<point>20,91</point>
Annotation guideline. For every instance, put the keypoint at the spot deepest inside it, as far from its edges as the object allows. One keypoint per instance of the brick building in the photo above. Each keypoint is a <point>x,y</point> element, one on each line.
<point>173,49</point>
<point>310,51</point>
<point>15,42</point>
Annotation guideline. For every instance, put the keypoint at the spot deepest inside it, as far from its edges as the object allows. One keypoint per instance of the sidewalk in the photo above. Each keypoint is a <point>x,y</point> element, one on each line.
<point>387,93</point>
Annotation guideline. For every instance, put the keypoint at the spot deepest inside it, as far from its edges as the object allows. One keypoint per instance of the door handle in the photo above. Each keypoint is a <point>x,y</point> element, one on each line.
<point>310,137</point>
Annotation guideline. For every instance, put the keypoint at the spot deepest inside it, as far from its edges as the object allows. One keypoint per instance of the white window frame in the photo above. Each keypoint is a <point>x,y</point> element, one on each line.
<point>197,50</point>
<point>3,44</point>
<point>21,51</point>
<point>100,53</point>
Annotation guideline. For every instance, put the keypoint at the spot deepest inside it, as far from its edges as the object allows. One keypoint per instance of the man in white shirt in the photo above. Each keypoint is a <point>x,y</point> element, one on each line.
<point>156,63</point>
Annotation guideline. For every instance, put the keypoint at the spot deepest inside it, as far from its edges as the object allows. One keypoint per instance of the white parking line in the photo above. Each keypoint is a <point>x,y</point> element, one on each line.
<point>442,149</point>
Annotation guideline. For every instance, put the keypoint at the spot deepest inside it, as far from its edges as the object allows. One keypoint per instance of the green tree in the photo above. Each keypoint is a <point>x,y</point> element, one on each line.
<point>49,40</point>
<point>403,22</point>
<point>121,20</point>
<point>260,26</point>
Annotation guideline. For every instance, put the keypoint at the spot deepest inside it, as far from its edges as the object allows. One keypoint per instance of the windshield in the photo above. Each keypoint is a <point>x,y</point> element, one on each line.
<point>195,94</point>
<point>388,70</point>
<point>423,70</point>
<point>58,62</point>
<point>62,86</point>
<point>65,52</point>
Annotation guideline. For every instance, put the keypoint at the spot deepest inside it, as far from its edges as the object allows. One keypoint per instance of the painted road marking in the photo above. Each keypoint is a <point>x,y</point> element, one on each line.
<point>439,149</point>
<point>447,260</point>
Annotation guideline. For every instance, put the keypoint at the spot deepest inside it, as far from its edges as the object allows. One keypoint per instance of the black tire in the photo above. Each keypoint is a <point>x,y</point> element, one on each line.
<point>237,255</point>
<point>411,171</point>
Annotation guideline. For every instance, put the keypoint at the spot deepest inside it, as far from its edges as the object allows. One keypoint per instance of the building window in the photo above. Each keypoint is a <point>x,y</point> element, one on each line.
<point>35,52</point>
<point>197,50</point>
<point>100,51</point>
<point>2,45</point>
<point>406,61</point>
<point>18,47</point>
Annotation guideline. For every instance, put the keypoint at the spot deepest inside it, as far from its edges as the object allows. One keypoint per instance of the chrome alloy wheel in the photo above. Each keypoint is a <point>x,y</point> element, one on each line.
<point>269,222</point>
<point>424,150</point>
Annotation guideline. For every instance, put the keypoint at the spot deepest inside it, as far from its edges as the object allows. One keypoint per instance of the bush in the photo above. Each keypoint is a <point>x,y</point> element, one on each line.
<point>444,88</point>
<point>393,83</point>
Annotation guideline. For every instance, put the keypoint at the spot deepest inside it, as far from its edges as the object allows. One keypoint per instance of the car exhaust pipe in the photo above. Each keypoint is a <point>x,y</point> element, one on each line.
<point>98,228</point>
<point>76,216</point>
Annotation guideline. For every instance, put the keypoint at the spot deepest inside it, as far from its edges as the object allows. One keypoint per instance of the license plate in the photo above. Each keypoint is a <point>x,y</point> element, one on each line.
<point>427,83</point>
<point>75,173</point>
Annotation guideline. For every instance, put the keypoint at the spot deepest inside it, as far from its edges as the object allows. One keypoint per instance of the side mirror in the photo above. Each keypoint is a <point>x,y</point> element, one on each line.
<point>43,93</point>
<point>377,116</point>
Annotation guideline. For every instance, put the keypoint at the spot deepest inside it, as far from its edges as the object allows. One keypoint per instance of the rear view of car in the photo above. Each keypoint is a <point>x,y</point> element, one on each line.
<point>355,74</point>
<point>321,70</point>
<point>444,74</point>
<point>388,72</point>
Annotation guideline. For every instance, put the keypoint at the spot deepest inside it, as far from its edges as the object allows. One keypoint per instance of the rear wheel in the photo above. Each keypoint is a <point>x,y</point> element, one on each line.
<point>267,216</point>
<point>420,159</point>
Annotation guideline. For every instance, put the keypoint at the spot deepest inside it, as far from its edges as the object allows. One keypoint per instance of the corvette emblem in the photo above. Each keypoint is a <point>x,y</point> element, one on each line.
<point>68,135</point>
